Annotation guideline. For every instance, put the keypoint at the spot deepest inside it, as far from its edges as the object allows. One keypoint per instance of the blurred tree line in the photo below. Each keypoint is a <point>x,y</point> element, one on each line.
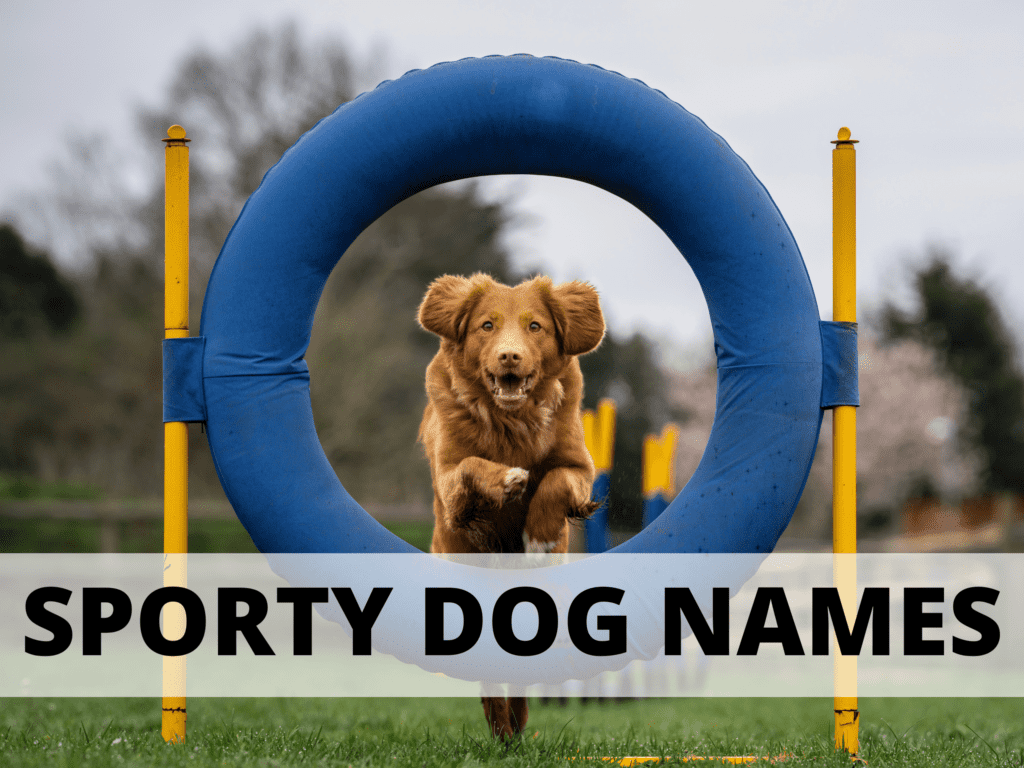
<point>82,368</point>
<point>79,344</point>
<point>956,317</point>
<point>942,404</point>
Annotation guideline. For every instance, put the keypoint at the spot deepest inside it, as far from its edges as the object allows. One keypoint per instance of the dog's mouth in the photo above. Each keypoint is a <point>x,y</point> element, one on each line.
<point>508,389</point>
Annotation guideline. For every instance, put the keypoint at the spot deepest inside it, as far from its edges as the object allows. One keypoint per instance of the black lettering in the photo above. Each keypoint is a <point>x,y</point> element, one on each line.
<point>963,610</point>
<point>547,621</point>
<point>472,621</point>
<point>195,621</point>
<point>713,642</point>
<point>302,599</point>
<point>362,619</point>
<point>615,626</point>
<point>229,623</point>
<point>94,624</point>
<point>915,620</point>
<point>825,604</point>
<point>35,610</point>
<point>755,632</point>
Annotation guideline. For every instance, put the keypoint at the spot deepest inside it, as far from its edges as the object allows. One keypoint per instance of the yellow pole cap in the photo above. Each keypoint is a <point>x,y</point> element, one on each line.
<point>176,134</point>
<point>844,137</point>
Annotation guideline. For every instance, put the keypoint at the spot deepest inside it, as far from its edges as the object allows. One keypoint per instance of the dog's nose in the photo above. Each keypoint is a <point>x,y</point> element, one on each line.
<point>510,357</point>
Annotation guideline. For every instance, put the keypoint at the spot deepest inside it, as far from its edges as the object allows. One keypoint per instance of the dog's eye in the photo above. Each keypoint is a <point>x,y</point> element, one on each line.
<point>534,327</point>
<point>487,325</point>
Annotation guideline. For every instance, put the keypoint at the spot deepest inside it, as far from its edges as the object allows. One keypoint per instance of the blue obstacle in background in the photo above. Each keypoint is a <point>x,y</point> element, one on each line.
<point>511,115</point>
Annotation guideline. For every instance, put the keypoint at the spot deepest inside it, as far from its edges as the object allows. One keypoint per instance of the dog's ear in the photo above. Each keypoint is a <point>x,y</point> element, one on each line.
<point>449,302</point>
<point>577,315</point>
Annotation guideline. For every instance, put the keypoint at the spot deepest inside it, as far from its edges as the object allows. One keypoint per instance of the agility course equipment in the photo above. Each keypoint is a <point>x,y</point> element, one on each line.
<point>657,471</point>
<point>507,116</point>
<point>844,426</point>
<point>245,376</point>
<point>176,226</point>
<point>599,435</point>
<point>659,454</point>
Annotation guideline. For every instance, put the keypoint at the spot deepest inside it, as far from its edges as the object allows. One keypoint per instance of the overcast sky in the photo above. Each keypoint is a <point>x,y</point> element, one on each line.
<point>934,91</point>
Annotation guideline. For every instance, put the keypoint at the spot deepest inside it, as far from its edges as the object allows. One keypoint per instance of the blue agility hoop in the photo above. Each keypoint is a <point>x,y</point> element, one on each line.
<point>510,115</point>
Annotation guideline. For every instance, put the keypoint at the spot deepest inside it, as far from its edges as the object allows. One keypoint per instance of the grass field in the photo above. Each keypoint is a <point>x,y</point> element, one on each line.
<point>139,535</point>
<point>423,733</point>
<point>451,732</point>
<point>43,535</point>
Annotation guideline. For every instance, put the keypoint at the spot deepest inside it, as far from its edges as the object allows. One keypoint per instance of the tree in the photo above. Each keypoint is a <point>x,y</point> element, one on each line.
<point>36,305</point>
<point>79,375</point>
<point>242,110</point>
<point>34,297</point>
<point>906,397</point>
<point>958,318</point>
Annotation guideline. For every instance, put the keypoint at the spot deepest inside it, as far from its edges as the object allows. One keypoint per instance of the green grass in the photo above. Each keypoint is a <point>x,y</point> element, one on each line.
<point>424,733</point>
<point>451,732</point>
<point>416,532</point>
<point>23,487</point>
<point>47,535</point>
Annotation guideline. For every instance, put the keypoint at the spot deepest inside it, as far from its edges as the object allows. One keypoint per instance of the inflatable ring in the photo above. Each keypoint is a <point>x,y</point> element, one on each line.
<point>510,115</point>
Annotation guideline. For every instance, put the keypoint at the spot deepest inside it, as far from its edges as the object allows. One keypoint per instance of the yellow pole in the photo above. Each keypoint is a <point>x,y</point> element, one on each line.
<point>844,434</point>
<point>599,434</point>
<point>649,476</point>
<point>669,440</point>
<point>175,433</point>
<point>658,462</point>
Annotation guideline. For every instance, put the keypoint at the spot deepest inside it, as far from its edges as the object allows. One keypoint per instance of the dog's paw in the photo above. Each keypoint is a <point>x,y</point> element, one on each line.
<point>483,535</point>
<point>514,483</point>
<point>580,512</point>
<point>537,549</point>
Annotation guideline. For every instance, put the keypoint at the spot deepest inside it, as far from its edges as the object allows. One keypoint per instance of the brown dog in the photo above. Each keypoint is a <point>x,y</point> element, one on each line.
<point>502,427</point>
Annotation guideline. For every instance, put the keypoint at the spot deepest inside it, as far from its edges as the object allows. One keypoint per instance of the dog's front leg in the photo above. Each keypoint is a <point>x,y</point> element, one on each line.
<point>497,713</point>
<point>474,486</point>
<point>506,716</point>
<point>563,493</point>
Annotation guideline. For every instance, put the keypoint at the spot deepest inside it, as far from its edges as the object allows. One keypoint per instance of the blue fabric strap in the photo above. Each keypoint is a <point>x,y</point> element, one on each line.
<point>183,379</point>
<point>839,384</point>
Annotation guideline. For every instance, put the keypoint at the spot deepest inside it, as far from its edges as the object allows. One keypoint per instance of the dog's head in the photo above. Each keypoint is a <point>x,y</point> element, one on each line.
<point>511,339</point>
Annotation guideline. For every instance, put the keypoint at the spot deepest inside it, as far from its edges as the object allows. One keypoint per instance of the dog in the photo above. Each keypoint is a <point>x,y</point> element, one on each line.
<point>502,429</point>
